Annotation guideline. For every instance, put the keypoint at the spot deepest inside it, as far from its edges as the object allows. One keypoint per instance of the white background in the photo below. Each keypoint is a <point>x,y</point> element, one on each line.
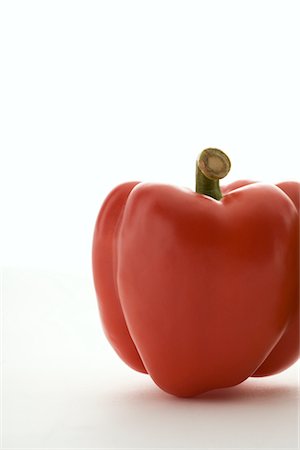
<point>94,93</point>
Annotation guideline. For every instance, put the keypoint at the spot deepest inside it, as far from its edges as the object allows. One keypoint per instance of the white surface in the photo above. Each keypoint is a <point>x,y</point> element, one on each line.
<point>64,387</point>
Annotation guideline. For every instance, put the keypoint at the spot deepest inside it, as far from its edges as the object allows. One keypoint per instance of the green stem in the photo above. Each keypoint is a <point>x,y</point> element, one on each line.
<point>212,165</point>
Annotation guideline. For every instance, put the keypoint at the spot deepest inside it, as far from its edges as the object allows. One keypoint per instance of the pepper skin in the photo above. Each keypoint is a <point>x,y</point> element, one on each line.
<point>287,351</point>
<point>194,291</point>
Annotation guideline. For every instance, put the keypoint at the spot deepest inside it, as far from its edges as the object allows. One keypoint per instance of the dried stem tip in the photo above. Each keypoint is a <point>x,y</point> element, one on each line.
<point>214,163</point>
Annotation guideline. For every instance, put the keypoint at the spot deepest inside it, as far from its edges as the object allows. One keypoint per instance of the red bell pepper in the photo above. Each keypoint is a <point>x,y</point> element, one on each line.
<point>200,289</point>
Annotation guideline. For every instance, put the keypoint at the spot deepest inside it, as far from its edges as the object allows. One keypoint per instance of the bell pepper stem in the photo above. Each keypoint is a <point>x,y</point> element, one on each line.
<point>211,165</point>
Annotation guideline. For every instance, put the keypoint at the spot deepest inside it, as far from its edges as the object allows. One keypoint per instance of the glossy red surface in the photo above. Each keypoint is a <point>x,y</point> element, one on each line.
<point>194,291</point>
